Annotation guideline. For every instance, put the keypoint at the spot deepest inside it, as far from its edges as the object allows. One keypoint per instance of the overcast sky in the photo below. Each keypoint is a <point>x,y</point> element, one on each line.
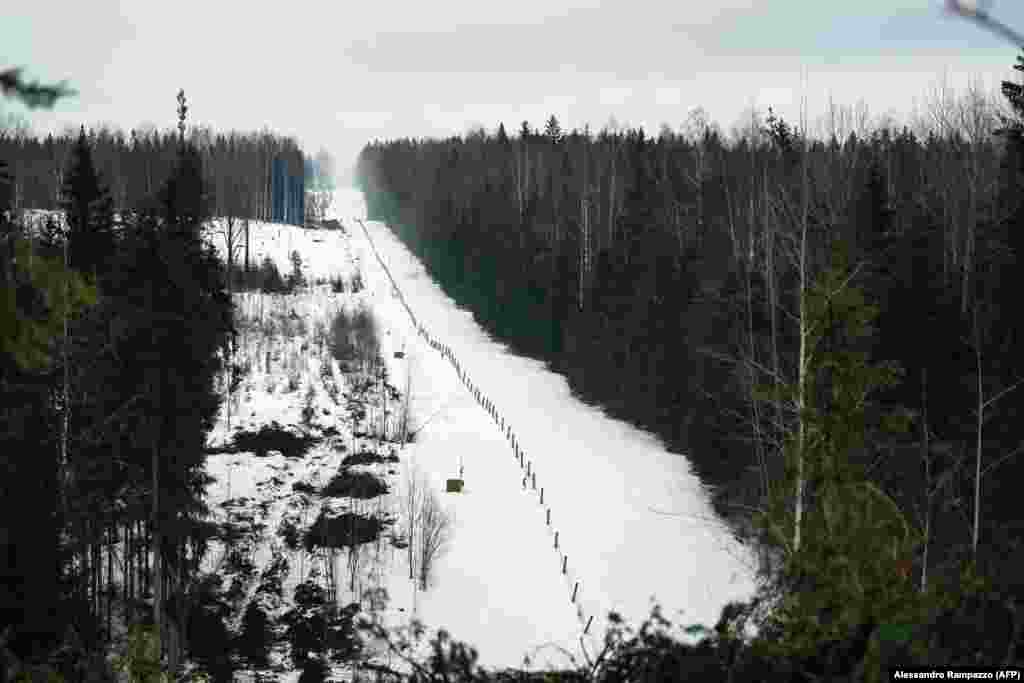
<point>338,73</point>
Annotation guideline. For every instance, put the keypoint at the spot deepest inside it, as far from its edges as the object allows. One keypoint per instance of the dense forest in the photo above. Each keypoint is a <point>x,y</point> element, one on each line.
<point>261,176</point>
<point>826,327</point>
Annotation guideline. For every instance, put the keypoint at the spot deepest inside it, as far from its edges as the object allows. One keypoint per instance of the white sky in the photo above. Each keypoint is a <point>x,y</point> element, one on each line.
<point>341,73</point>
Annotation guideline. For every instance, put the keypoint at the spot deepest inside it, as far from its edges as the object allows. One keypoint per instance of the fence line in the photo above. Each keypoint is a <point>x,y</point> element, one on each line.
<point>529,480</point>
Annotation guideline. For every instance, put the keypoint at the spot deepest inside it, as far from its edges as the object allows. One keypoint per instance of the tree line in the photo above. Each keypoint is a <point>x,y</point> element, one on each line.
<point>825,325</point>
<point>258,175</point>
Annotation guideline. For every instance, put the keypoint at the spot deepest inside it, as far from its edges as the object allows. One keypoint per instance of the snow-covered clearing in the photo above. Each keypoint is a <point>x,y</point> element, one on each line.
<point>632,521</point>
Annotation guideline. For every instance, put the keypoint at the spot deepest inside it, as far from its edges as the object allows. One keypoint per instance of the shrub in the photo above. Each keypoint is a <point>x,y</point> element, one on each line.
<point>295,278</point>
<point>289,533</point>
<point>254,640</point>
<point>314,670</point>
<point>307,409</point>
<point>270,278</point>
<point>356,283</point>
<point>354,337</point>
<point>304,487</point>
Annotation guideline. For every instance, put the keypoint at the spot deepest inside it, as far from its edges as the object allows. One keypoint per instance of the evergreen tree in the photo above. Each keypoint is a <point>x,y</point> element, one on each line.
<point>553,130</point>
<point>88,212</point>
<point>874,213</point>
<point>847,573</point>
<point>169,289</point>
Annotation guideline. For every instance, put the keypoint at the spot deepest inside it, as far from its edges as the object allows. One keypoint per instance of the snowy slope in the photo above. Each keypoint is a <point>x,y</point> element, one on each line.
<point>632,521</point>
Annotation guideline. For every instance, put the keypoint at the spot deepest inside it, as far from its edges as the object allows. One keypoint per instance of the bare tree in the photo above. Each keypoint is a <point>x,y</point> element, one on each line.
<point>403,411</point>
<point>233,231</point>
<point>979,414</point>
<point>415,489</point>
<point>435,531</point>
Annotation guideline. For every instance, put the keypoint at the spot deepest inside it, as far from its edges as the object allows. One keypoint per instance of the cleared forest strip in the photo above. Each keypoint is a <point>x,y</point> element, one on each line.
<point>574,583</point>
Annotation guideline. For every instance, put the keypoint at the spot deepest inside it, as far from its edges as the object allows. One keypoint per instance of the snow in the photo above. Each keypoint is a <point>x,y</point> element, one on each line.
<point>633,522</point>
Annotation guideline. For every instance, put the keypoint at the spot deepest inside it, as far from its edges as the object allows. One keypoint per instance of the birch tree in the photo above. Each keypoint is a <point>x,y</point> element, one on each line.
<point>435,531</point>
<point>415,492</point>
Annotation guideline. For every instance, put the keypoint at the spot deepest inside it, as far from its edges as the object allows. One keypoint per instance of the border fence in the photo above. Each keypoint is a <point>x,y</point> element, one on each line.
<point>529,482</point>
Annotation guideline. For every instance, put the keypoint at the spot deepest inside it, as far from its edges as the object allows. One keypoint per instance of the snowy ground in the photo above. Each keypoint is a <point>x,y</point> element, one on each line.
<point>633,523</point>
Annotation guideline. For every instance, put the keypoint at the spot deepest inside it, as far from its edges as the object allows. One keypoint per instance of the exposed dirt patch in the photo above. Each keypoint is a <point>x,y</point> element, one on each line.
<point>304,487</point>
<point>367,458</point>
<point>345,531</point>
<point>273,437</point>
<point>348,484</point>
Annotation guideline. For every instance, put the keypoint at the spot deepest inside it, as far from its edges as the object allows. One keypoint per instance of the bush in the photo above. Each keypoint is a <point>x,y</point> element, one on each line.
<point>307,410</point>
<point>315,670</point>
<point>295,278</point>
<point>254,640</point>
<point>356,283</point>
<point>289,533</point>
<point>354,337</point>
<point>305,623</point>
<point>270,278</point>
<point>304,487</point>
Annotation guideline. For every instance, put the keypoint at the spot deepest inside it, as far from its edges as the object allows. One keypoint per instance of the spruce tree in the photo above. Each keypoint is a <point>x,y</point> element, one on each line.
<point>849,573</point>
<point>553,130</point>
<point>89,213</point>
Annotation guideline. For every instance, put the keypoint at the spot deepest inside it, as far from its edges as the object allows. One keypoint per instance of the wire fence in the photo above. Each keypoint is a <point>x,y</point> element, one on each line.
<point>529,481</point>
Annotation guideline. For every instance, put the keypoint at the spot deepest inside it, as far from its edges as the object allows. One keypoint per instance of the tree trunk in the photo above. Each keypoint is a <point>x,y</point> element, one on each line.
<point>927,455</point>
<point>158,584</point>
<point>62,473</point>
<point>773,305</point>
<point>759,445</point>
<point>978,441</point>
<point>804,359</point>
<point>111,590</point>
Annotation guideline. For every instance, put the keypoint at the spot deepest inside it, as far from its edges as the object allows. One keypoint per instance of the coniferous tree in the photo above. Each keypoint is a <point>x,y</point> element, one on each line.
<point>88,212</point>
<point>553,130</point>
